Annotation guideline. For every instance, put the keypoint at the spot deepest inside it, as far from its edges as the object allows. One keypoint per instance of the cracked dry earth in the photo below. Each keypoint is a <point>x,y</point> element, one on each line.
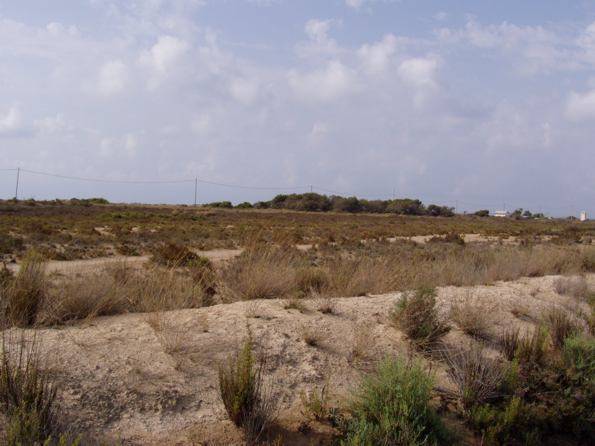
<point>144,379</point>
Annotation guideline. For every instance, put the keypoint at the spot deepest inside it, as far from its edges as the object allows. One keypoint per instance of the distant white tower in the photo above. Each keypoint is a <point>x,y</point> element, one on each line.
<point>583,216</point>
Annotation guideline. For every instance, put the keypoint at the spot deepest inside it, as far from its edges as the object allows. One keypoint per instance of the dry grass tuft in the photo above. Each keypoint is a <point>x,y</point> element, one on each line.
<point>316,402</point>
<point>27,394</point>
<point>509,343</point>
<point>26,293</point>
<point>172,337</point>
<point>473,317</point>
<point>326,305</point>
<point>258,273</point>
<point>105,293</point>
<point>312,336</point>
<point>295,303</point>
<point>363,342</point>
<point>576,287</point>
<point>476,377</point>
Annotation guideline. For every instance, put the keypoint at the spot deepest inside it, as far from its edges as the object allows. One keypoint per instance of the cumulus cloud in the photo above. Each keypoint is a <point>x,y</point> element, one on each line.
<point>162,57</point>
<point>376,57</point>
<point>113,76</point>
<point>243,90</point>
<point>419,72</point>
<point>318,29</point>
<point>581,106</point>
<point>322,85</point>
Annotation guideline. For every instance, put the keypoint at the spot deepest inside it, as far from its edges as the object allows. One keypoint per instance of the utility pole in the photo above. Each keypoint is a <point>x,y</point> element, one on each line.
<point>311,188</point>
<point>16,192</point>
<point>195,189</point>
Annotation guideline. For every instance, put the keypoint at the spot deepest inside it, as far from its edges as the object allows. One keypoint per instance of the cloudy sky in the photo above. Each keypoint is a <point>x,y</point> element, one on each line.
<point>479,104</point>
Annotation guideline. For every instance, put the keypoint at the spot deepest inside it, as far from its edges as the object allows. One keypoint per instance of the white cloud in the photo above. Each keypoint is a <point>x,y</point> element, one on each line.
<point>581,106</point>
<point>112,77</point>
<point>322,85</point>
<point>419,72</point>
<point>317,30</point>
<point>243,90</point>
<point>162,57</point>
<point>11,123</point>
<point>355,4</point>
<point>376,57</point>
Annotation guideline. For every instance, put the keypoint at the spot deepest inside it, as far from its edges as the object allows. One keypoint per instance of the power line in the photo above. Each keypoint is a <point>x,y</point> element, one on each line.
<point>178,181</point>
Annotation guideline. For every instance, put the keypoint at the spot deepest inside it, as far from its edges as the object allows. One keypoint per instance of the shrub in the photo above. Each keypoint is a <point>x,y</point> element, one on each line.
<point>560,326</point>
<point>392,407</point>
<point>27,395</point>
<point>417,316</point>
<point>476,377</point>
<point>579,355</point>
<point>572,286</point>
<point>26,293</point>
<point>173,255</point>
<point>241,387</point>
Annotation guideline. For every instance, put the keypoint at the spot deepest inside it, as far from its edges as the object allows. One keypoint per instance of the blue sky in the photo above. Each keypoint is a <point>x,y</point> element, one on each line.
<point>478,104</point>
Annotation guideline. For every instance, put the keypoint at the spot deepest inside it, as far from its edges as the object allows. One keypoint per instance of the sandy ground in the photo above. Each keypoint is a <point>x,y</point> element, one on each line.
<point>152,379</point>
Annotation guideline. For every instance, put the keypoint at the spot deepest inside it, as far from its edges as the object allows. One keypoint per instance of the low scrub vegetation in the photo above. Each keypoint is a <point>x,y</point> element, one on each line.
<point>416,314</point>
<point>246,398</point>
<point>27,394</point>
<point>392,407</point>
<point>24,295</point>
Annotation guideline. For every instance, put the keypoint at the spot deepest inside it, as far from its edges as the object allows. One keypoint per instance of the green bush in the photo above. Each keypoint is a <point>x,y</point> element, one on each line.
<point>392,407</point>
<point>417,316</point>
<point>241,387</point>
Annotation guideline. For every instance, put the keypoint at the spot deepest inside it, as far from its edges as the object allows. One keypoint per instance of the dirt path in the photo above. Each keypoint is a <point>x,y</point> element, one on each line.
<point>89,265</point>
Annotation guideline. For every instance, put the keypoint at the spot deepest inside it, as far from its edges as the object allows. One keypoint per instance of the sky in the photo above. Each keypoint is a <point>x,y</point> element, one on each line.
<point>458,102</point>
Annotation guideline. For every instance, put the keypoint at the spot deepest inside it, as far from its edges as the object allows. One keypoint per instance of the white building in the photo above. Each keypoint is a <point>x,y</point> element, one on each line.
<point>501,214</point>
<point>583,216</point>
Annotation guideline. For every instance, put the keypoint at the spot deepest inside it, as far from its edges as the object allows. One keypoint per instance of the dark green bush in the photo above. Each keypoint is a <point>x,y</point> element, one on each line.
<point>392,407</point>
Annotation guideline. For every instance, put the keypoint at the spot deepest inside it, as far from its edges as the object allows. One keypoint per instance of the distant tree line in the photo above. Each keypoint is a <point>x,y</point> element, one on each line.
<point>314,202</point>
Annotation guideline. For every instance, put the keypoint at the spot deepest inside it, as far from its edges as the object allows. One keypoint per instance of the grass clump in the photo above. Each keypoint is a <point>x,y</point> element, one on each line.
<point>417,316</point>
<point>392,407</point>
<point>560,326</point>
<point>316,403</point>
<point>27,394</point>
<point>26,293</point>
<point>476,377</point>
<point>260,272</point>
<point>247,401</point>
<point>576,287</point>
